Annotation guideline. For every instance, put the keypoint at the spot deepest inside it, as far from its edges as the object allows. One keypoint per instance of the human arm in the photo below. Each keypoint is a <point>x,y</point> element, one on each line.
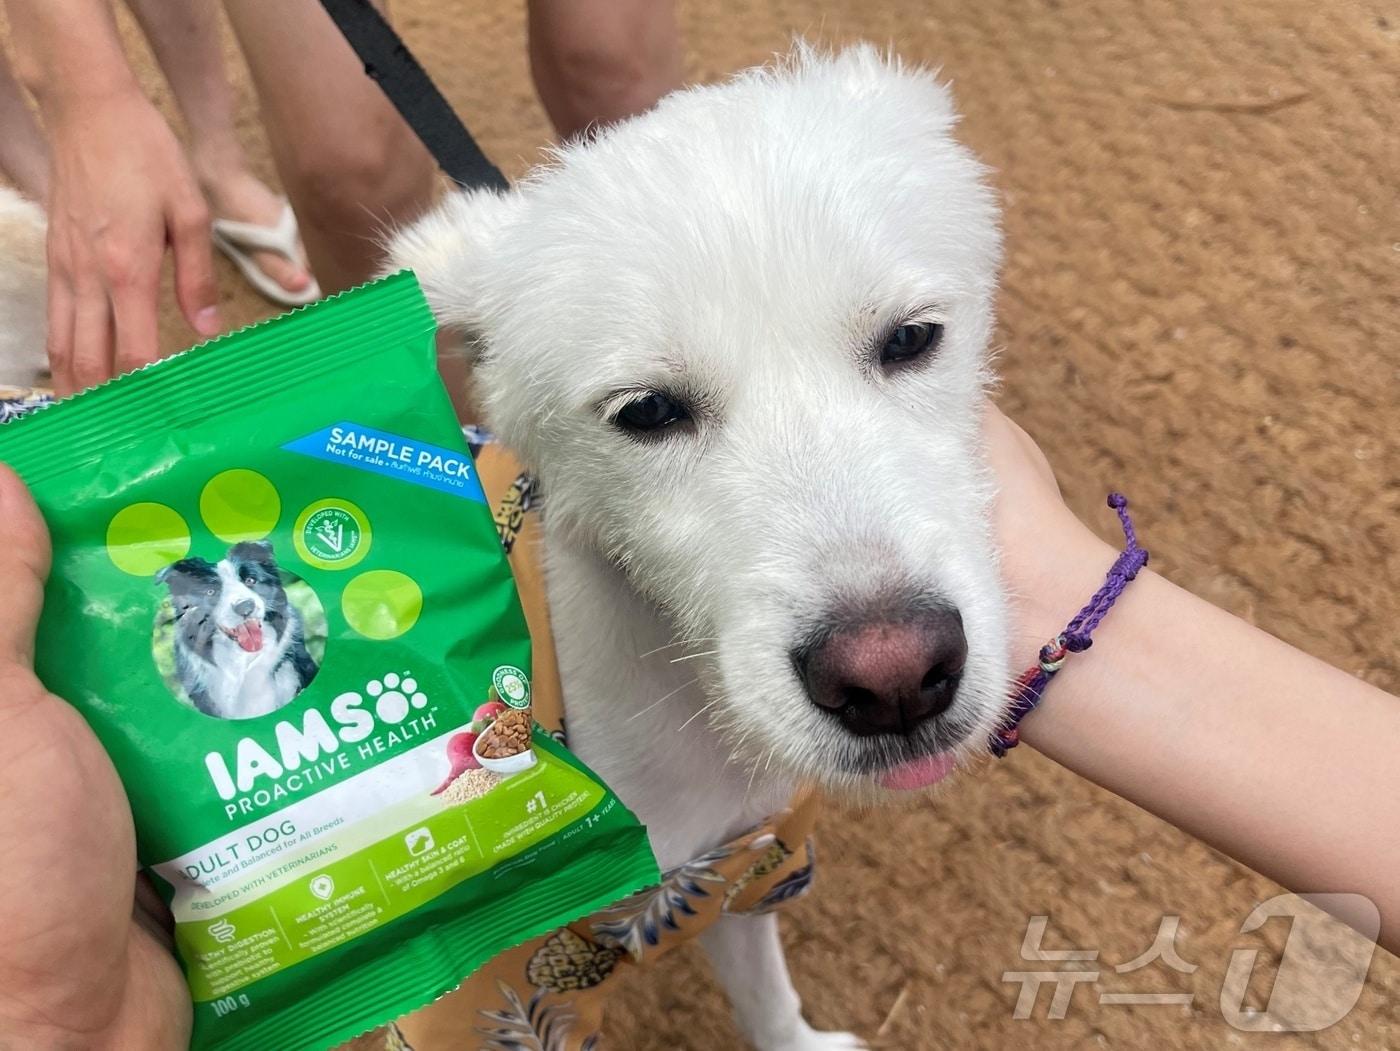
<point>23,152</point>
<point>120,190</point>
<point>1257,748</point>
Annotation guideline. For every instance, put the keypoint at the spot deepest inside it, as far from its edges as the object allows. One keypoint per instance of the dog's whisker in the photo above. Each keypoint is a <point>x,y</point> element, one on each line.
<point>697,714</point>
<point>693,656</point>
<point>753,776</point>
<point>677,642</point>
<point>659,700</point>
<point>736,750</point>
<point>768,759</point>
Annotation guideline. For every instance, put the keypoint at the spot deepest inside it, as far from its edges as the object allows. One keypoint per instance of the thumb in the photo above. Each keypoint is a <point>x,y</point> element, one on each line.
<point>24,566</point>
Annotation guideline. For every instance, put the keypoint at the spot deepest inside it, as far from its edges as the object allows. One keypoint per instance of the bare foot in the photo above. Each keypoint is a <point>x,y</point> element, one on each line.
<point>240,195</point>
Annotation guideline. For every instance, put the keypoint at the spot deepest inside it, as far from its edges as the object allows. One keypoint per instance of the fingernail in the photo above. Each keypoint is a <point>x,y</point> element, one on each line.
<point>207,323</point>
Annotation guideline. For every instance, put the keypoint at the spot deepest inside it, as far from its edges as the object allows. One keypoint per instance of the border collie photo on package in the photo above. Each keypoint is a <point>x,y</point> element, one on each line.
<point>239,643</point>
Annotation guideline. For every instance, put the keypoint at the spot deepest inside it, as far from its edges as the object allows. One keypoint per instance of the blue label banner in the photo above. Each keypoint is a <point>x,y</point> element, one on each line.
<point>406,459</point>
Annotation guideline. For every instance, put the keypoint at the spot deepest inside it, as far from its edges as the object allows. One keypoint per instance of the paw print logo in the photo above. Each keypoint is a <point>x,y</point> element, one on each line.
<point>394,695</point>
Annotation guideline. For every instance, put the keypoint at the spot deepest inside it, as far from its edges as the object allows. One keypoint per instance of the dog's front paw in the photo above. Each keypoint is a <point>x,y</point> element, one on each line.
<point>814,1040</point>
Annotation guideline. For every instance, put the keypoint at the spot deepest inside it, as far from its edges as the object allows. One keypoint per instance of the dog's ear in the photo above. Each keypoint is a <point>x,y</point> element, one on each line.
<point>880,81</point>
<point>183,566</point>
<point>252,551</point>
<point>450,248</point>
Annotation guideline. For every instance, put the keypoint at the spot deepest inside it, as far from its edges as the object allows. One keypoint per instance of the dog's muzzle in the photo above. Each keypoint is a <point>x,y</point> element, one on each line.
<point>886,676</point>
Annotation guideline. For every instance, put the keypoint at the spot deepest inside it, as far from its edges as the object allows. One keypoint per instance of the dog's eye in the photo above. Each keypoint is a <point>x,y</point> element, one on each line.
<point>249,581</point>
<point>651,412</point>
<point>210,591</point>
<point>910,341</point>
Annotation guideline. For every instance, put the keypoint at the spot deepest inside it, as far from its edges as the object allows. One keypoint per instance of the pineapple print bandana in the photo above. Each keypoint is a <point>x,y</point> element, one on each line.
<point>548,994</point>
<point>16,401</point>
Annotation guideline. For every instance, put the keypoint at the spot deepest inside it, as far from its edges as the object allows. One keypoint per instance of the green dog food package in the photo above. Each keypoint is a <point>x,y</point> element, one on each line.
<point>279,599</point>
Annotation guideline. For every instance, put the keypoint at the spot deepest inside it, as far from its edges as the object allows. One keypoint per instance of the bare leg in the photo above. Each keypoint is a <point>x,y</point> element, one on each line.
<point>24,156</point>
<point>748,961</point>
<point>597,61</point>
<point>350,164</point>
<point>184,35</point>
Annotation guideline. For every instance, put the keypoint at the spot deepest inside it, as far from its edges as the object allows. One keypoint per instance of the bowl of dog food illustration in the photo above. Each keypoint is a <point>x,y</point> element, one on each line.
<point>504,746</point>
<point>473,773</point>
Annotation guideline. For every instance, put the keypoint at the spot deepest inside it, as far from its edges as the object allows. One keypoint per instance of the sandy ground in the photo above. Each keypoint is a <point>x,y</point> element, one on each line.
<point>1200,307</point>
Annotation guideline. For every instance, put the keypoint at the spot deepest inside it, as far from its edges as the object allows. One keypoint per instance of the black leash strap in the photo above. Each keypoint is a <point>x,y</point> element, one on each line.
<point>390,64</point>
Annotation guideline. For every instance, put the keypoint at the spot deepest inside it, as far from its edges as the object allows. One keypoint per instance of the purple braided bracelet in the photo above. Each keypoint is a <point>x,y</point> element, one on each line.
<point>1030,686</point>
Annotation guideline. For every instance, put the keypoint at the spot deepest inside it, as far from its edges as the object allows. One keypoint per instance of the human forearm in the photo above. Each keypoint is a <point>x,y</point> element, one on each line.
<point>1251,745</point>
<point>23,154</point>
<point>68,52</point>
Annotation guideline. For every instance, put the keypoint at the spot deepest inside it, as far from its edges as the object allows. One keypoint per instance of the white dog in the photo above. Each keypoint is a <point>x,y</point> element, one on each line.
<point>741,340</point>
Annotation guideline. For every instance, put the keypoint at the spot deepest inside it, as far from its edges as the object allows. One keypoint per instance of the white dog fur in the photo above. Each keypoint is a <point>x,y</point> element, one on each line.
<point>746,245</point>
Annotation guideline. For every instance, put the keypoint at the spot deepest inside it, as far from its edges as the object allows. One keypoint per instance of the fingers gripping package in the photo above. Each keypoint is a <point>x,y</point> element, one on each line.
<point>279,599</point>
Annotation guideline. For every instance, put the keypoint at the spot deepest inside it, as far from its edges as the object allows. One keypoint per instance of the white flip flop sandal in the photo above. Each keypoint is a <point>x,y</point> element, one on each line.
<point>238,240</point>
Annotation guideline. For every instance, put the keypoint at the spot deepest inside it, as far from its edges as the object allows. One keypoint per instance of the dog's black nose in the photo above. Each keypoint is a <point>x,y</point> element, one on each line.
<point>245,608</point>
<point>887,677</point>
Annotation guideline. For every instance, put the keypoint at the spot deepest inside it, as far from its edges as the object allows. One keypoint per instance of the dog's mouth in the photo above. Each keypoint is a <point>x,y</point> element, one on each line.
<point>248,635</point>
<point>917,774</point>
<point>908,764</point>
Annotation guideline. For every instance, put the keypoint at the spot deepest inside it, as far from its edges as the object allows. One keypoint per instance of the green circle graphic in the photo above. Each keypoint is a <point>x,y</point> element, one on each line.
<point>332,534</point>
<point>143,539</point>
<point>381,604</point>
<point>512,685</point>
<point>240,505</point>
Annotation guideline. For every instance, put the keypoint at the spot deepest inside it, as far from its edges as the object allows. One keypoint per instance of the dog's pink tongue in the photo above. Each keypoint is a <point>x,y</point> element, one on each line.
<point>908,777</point>
<point>249,635</point>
